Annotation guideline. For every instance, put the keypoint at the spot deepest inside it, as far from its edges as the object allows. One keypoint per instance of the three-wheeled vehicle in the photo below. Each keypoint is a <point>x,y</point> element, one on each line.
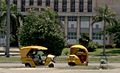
<point>78,55</point>
<point>31,56</point>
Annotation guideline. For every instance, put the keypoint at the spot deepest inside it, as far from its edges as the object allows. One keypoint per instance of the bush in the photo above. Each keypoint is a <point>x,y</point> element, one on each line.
<point>89,44</point>
<point>37,30</point>
<point>109,46</point>
<point>92,46</point>
<point>66,51</point>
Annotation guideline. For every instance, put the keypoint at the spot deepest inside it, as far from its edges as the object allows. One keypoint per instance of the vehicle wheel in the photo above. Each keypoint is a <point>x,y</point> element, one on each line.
<point>51,65</point>
<point>27,65</point>
<point>86,64</point>
<point>71,64</point>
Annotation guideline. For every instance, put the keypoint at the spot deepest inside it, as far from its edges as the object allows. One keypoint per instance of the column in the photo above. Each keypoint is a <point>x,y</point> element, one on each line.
<point>52,4</point>
<point>76,5</point>
<point>43,3</point>
<point>78,29</point>
<point>19,5</point>
<point>11,1</point>
<point>27,6</point>
<point>27,3</point>
<point>90,28</point>
<point>60,5</point>
<point>68,5</point>
<point>93,5</point>
<point>35,3</point>
<point>85,5</point>
<point>66,23</point>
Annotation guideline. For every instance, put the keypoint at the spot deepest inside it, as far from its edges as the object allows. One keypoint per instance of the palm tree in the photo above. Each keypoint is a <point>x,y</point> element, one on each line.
<point>15,18</point>
<point>108,17</point>
<point>115,31</point>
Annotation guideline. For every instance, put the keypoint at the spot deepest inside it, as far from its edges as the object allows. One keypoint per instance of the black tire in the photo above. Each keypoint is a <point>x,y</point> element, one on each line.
<point>27,65</point>
<point>51,65</point>
<point>86,64</point>
<point>71,64</point>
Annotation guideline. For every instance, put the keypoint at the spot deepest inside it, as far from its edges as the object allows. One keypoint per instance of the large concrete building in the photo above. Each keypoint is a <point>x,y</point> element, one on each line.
<point>76,15</point>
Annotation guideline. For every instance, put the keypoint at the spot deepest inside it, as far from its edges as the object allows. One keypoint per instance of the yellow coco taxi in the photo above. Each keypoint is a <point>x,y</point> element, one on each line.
<point>78,55</point>
<point>31,56</point>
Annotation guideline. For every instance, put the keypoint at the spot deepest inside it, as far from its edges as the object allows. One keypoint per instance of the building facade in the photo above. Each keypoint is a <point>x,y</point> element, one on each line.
<point>76,15</point>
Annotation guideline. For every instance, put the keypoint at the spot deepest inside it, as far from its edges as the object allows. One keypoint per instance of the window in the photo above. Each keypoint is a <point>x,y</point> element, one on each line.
<point>56,5</point>
<point>47,2</point>
<point>72,27</point>
<point>72,35</point>
<point>36,9</point>
<point>89,5</point>
<point>39,2</point>
<point>22,5</point>
<point>62,18</point>
<point>31,2</point>
<point>96,36</point>
<point>72,31</point>
<point>15,2</point>
<point>2,35</point>
<point>81,5</point>
<point>72,18</point>
<point>64,5</point>
<point>72,6</point>
<point>84,22</point>
<point>42,9</point>
<point>97,26</point>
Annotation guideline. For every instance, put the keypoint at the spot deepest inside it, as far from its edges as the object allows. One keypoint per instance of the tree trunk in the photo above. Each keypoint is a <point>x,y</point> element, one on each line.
<point>104,39</point>
<point>8,29</point>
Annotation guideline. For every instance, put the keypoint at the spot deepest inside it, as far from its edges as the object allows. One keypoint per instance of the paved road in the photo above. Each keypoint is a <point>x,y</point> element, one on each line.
<point>59,68</point>
<point>54,70</point>
<point>20,65</point>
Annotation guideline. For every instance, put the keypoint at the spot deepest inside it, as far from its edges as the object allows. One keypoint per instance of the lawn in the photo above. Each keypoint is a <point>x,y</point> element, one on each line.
<point>113,55</point>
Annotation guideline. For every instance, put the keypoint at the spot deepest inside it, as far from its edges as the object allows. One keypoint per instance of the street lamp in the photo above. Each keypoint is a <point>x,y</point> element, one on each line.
<point>8,29</point>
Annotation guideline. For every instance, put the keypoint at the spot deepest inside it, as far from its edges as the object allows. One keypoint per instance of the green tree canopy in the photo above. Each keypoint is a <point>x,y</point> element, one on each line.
<point>15,21</point>
<point>104,13</point>
<point>115,31</point>
<point>43,29</point>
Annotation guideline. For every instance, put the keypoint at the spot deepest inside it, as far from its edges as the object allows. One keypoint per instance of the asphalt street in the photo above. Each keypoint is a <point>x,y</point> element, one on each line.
<point>59,68</point>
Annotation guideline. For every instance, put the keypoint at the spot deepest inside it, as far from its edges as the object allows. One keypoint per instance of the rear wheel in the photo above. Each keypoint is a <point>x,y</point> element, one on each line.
<point>27,65</point>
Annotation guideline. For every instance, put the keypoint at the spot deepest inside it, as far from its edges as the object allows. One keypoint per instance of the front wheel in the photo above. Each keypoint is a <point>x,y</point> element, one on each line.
<point>51,65</point>
<point>71,64</point>
<point>27,65</point>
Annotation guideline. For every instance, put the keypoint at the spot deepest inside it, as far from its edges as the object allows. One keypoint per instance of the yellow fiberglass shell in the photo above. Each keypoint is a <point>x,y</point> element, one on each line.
<point>73,49</point>
<point>25,50</point>
<point>49,58</point>
<point>74,54</point>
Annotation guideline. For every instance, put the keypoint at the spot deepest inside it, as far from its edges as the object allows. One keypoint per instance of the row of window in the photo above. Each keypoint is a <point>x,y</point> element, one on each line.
<point>2,34</point>
<point>74,18</point>
<point>73,35</point>
<point>56,5</point>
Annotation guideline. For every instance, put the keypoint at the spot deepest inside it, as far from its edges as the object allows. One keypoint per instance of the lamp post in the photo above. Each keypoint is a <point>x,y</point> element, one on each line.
<point>8,29</point>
